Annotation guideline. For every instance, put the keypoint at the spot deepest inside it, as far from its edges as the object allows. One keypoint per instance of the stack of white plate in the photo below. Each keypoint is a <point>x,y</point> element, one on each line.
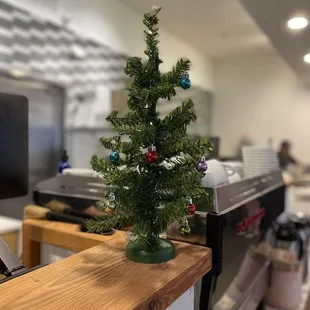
<point>259,161</point>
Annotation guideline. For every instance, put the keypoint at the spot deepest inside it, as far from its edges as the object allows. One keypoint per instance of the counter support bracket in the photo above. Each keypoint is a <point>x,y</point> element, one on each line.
<point>10,265</point>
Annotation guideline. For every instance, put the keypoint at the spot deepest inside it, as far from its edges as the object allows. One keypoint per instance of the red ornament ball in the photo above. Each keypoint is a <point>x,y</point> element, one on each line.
<point>151,156</point>
<point>191,209</point>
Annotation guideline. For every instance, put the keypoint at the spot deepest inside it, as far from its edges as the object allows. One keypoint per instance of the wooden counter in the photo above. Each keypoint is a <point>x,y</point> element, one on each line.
<point>101,277</point>
<point>63,235</point>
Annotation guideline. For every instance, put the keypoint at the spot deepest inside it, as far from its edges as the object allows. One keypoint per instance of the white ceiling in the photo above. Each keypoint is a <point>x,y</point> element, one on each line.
<point>272,16</point>
<point>218,28</point>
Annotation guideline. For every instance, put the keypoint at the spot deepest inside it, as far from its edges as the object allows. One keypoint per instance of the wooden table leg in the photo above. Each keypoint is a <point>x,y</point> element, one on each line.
<point>31,248</point>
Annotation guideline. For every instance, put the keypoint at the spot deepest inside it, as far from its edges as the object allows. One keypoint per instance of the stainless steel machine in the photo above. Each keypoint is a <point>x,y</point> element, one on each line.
<point>45,136</point>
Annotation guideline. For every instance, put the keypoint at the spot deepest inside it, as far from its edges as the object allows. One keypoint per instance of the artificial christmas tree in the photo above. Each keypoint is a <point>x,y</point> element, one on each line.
<point>152,178</point>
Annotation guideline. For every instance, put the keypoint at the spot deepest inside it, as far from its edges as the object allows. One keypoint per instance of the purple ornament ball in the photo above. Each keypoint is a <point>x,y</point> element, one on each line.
<point>202,166</point>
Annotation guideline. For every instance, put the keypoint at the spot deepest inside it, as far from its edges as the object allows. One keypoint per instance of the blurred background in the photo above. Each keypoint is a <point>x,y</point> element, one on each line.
<point>249,78</point>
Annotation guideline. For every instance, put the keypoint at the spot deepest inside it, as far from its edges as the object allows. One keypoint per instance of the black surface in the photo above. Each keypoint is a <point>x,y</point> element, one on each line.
<point>229,249</point>
<point>76,213</point>
<point>234,250</point>
<point>273,203</point>
<point>208,286</point>
<point>214,236</point>
<point>59,217</point>
<point>13,146</point>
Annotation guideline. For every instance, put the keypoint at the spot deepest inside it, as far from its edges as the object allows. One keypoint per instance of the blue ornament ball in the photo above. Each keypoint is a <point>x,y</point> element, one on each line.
<point>114,157</point>
<point>63,165</point>
<point>185,82</point>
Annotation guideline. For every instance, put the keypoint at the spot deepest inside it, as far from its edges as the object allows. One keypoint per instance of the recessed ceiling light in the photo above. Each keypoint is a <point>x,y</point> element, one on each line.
<point>297,23</point>
<point>307,58</point>
<point>17,73</point>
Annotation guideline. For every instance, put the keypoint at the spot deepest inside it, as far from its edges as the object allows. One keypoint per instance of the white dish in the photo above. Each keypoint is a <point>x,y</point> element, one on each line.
<point>215,175</point>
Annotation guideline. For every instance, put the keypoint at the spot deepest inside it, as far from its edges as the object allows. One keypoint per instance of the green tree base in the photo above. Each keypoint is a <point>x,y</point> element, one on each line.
<point>160,252</point>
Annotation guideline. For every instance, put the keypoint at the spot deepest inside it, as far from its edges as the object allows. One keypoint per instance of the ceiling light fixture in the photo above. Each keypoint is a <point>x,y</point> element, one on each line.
<point>297,23</point>
<point>17,73</point>
<point>307,58</point>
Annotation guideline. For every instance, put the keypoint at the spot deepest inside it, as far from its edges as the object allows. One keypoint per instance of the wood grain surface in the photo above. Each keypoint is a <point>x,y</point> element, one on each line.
<point>102,277</point>
<point>63,235</point>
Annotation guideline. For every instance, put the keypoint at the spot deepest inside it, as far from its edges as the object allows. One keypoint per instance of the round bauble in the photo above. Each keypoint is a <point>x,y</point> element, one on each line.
<point>185,231</point>
<point>191,209</point>
<point>185,82</point>
<point>114,157</point>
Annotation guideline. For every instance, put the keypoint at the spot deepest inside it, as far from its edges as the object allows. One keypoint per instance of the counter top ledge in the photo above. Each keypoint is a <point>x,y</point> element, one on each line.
<point>102,278</point>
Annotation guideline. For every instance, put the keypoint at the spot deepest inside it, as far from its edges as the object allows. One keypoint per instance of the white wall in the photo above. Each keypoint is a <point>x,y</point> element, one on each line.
<point>259,95</point>
<point>115,24</point>
<point>119,27</point>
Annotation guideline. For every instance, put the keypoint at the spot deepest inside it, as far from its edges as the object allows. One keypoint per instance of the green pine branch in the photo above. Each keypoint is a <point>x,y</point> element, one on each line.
<point>140,98</point>
<point>134,67</point>
<point>110,143</point>
<point>102,166</point>
<point>188,178</point>
<point>174,194</point>
<point>150,21</point>
<point>173,77</point>
<point>186,145</point>
<point>130,148</point>
<point>179,117</point>
<point>152,73</point>
<point>171,212</point>
<point>102,204</point>
<point>129,119</point>
<point>122,179</point>
<point>108,223</point>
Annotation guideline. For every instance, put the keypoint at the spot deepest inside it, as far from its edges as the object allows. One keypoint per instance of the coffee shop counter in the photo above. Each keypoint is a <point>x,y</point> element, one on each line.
<point>99,276</point>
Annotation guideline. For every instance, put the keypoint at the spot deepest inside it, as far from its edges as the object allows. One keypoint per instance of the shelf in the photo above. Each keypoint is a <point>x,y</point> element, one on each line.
<point>100,277</point>
<point>231,196</point>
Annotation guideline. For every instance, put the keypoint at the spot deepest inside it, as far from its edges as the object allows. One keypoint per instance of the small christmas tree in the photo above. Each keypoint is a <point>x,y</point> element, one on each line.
<point>152,178</point>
